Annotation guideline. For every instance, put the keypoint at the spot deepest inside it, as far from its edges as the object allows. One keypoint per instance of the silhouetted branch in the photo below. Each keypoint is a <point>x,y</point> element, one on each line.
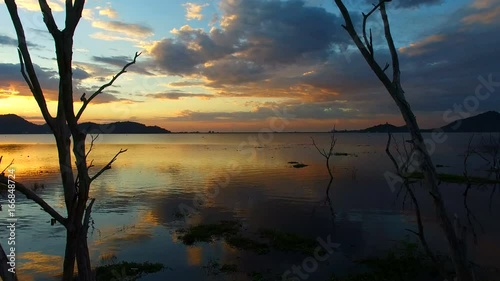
<point>409,191</point>
<point>108,166</point>
<point>328,154</point>
<point>88,211</point>
<point>94,138</point>
<point>26,63</point>
<point>369,43</point>
<point>103,87</point>
<point>11,162</point>
<point>48,19</point>
<point>33,196</point>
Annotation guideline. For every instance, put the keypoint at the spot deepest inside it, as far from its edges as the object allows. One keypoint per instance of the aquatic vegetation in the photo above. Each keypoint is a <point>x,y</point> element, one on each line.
<point>288,242</point>
<point>209,232</point>
<point>244,243</point>
<point>126,270</point>
<point>345,154</point>
<point>230,232</point>
<point>214,268</point>
<point>405,262</point>
<point>451,178</point>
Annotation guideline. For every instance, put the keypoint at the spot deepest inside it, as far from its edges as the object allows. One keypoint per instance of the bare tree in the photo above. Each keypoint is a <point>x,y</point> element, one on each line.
<point>327,155</point>
<point>65,129</point>
<point>394,88</point>
<point>402,171</point>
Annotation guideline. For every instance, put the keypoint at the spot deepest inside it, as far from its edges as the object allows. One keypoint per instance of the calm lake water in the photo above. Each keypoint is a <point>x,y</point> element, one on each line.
<point>236,177</point>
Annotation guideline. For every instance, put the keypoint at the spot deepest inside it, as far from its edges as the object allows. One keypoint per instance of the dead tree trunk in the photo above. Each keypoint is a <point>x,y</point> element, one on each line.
<point>65,128</point>
<point>393,86</point>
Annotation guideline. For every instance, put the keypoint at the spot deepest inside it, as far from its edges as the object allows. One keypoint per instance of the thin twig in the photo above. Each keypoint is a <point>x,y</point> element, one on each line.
<point>108,166</point>
<point>103,87</point>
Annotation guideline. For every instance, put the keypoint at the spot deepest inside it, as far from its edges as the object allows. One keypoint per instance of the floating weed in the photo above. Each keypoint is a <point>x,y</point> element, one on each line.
<point>209,232</point>
<point>450,178</point>
<point>288,242</point>
<point>244,243</point>
<point>126,271</point>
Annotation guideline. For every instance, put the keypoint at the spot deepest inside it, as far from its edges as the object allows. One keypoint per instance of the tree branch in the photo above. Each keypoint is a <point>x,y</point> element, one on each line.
<point>11,162</point>
<point>108,166</point>
<point>48,19</point>
<point>37,199</point>
<point>25,61</point>
<point>103,87</point>
<point>369,43</point>
<point>351,30</point>
<point>88,211</point>
<point>396,79</point>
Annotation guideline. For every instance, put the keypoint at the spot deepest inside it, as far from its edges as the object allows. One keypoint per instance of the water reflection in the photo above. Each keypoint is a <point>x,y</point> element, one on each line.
<point>137,206</point>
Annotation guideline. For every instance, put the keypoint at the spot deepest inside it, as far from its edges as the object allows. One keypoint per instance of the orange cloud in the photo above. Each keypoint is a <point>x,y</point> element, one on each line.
<point>485,16</point>
<point>422,46</point>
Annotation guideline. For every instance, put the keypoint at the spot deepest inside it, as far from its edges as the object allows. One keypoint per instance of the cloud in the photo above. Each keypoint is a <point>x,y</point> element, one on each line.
<point>12,81</point>
<point>120,62</point>
<point>186,83</point>
<point>88,14</point>
<point>175,95</point>
<point>488,15</point>
<point>411,3</point>
<point>32,5</point>
<point>255,33</point>
<point>232,71</point>
<point>193,11</point>
<point>423,46</point>
<point>129,29</point>
<point>9,41</point>
<point>109,12</point>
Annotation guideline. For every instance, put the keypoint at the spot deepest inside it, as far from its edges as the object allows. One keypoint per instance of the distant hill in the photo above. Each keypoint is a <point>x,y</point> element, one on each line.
<point>13,124</point>
<point>482,123</point>
<point>384,128</point>
<point>122,128</point>
<point>487,122</point>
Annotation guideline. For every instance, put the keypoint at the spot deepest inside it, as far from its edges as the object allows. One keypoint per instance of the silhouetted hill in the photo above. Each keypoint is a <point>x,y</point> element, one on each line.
<point>122,128</point>
<point>384,128</point>
<point>482,123</point>
<point>13,124</point>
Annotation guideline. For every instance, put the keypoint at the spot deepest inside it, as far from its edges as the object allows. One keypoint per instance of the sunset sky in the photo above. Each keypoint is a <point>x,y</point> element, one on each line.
<point>231,65</point>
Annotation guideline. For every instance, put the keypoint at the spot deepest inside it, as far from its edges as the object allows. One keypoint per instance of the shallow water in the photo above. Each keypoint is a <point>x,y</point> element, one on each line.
<point>243,177</point>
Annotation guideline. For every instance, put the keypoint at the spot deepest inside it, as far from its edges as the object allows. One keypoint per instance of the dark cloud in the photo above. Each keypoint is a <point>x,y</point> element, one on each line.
<point>190,48</point>
<point>6,40</point>
<point>80,74</point>
<point>416,3</point>
<point>9,41</point>
<point>121,61</point>
<point>233,71</point>
<point>10,77</point>
<point>409,3</point>
<point>175,95</point>
<point>282,32</point>
<point>254,34</point>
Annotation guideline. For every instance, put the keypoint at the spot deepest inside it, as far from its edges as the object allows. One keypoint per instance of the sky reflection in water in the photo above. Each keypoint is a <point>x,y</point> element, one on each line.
<point>137,206</point>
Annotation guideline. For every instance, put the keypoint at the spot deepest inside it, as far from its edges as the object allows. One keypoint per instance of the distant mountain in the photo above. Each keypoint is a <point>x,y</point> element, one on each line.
<point>122,128</point>
<point>487,122</point>
<point>482,123</point>
<point>384,128</point>
<point>13,124</point>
